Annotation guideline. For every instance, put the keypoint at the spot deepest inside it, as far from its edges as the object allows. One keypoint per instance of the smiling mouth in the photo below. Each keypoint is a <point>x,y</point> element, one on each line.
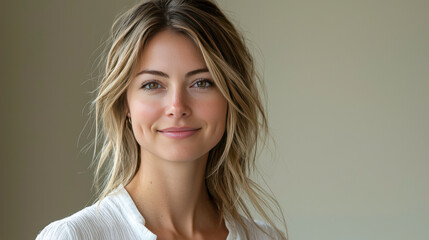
<point>179,133</point>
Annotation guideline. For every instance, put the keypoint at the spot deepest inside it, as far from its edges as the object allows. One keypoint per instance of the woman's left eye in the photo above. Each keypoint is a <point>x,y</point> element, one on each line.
<point>204,83</point>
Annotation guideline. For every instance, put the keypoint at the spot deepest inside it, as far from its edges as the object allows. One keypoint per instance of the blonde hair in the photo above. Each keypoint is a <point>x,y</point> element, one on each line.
<point>232,160</point>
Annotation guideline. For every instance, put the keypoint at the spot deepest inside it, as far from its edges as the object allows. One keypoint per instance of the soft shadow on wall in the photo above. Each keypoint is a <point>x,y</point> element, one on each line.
<point>49,54</point>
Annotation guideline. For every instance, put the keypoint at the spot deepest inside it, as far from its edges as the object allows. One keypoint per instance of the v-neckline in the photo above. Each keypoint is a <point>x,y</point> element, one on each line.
<point>134,214</point>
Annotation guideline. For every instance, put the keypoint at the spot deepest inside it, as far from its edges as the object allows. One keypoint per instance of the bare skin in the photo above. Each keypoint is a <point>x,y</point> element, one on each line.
<point>174,201</point>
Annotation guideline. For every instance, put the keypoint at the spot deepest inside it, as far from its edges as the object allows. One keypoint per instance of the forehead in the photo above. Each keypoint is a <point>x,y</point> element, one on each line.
<point>169,51</point>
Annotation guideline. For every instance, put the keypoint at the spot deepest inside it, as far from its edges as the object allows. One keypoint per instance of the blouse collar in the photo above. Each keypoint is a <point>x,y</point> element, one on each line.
<point>128,207</point>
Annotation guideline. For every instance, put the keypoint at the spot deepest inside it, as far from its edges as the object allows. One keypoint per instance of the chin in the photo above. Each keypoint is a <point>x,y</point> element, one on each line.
<point>183,157</point>
<point>176,153</point>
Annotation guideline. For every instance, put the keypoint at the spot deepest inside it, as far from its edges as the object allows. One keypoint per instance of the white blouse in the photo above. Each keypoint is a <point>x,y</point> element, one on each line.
<point>118,218</point>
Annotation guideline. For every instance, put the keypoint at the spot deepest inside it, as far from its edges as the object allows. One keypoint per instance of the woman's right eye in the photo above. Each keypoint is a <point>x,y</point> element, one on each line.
<point>151,86</point>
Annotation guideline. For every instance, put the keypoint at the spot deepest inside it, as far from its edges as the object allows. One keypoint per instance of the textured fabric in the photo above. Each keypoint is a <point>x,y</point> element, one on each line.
<point>118,218</point>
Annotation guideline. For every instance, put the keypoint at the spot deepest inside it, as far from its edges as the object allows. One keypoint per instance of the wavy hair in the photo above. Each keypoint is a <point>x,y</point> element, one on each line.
<point>232,160</point>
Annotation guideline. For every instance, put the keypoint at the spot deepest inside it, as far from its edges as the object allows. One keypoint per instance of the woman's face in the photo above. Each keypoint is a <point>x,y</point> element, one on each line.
<point>177,112</point>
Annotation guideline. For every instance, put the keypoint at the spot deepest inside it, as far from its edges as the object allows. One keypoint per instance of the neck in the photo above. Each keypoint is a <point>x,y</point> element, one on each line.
<point>173,194</point>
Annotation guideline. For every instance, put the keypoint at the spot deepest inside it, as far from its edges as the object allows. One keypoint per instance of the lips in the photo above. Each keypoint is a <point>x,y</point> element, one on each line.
<point>179,132</point>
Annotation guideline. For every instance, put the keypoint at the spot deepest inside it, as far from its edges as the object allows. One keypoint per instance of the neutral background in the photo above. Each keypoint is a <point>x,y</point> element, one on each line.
<point>348,104</point>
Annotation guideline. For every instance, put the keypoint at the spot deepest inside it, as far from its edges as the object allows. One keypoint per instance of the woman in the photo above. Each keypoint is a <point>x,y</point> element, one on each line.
<point>180,116</point>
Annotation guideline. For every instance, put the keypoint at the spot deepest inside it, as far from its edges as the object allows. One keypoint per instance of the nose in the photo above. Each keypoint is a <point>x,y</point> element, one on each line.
<point>177,106</point>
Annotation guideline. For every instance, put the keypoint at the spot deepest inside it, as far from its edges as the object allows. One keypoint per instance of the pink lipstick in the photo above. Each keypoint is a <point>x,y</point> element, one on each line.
<point>178,132</point>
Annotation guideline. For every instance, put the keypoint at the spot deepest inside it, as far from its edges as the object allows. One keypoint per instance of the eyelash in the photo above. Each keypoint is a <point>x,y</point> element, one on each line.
<point>205,80</point>
<point>147,83</point>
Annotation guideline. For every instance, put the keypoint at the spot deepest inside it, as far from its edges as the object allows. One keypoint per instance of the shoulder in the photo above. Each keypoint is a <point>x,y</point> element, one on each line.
<point>58,230</point>
<point>88,223</point>
<point>270,230</point>
<point>259,230</point>
<point>80,225</point>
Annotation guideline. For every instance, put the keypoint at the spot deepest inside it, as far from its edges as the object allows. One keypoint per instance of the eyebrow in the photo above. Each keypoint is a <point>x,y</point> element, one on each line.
<point>162,74</point>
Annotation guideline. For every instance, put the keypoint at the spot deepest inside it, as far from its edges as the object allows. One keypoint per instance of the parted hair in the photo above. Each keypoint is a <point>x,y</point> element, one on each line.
<point>231,162</point>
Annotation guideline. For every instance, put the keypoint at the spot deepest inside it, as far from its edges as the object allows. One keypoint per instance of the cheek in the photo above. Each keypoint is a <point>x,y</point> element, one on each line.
<point>214,110</point>
<point>146,110</point>
<point>144,114</point>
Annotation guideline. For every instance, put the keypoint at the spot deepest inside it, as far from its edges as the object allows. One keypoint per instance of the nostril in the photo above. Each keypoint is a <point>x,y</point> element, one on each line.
<point>178,113</point>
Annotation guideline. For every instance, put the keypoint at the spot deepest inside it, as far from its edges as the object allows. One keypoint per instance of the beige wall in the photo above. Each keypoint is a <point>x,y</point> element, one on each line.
<point>348,103</point>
